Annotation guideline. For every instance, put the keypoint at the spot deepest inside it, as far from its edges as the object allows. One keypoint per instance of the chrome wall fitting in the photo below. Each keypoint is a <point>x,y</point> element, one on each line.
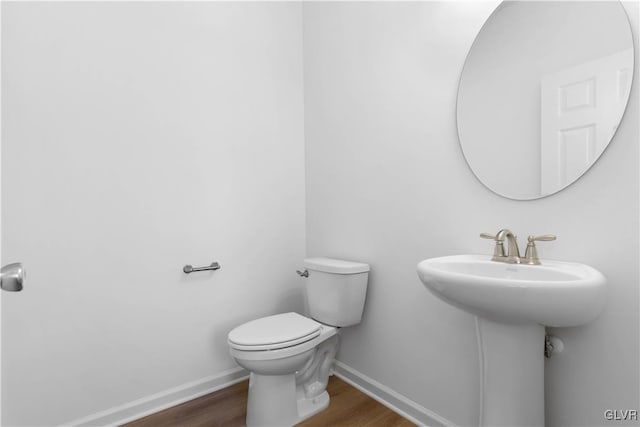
<point>552,345</point>
<point>11,277</point>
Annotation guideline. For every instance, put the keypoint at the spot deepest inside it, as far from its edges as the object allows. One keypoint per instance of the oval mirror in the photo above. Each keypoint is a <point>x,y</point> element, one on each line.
<point>542,92</point>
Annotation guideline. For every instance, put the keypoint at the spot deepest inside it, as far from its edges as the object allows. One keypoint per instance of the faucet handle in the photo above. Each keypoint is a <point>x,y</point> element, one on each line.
<point>531,254</point>
<point>498,250</point>
<point>543,238</point>
<point>488,236</point>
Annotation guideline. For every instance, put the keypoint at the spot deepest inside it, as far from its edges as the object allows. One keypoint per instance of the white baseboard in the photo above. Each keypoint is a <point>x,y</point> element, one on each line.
<point>157,402</point>
<point>151,404</point>
<point>393,400</point>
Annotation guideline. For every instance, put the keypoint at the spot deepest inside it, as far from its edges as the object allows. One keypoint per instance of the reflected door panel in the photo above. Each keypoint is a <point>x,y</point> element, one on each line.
<point>580,110</point>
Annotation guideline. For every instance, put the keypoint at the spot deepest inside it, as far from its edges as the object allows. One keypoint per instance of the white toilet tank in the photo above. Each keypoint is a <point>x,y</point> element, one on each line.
<point>336,290</point>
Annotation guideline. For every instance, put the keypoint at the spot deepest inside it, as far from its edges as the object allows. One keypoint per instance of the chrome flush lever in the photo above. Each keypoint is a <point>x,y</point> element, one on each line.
<point>304,273</point>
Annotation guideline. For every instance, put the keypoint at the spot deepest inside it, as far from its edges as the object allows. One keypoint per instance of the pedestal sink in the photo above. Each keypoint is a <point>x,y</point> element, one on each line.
<point>513,303</point>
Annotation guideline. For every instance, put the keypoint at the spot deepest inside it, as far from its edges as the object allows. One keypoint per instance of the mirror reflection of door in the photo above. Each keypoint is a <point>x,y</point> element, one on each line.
<point>542,91</point>
<point>580,111</point>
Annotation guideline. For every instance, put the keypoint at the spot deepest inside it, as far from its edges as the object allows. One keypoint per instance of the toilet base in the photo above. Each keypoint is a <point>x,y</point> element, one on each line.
<point>278,398</point>
<point>309,407</point>
<point>271,400</point>
<point>275,401</point>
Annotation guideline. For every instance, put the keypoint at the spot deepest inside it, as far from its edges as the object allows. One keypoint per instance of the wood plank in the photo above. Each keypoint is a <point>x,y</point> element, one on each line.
<point>227,408</point>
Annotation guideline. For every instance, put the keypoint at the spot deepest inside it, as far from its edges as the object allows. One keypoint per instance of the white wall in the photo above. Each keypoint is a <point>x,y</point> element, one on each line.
<point>136,138</point>
<point>387,184</point>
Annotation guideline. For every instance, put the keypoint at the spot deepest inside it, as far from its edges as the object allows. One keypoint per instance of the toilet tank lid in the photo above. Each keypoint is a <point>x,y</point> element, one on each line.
<point>338,266</point>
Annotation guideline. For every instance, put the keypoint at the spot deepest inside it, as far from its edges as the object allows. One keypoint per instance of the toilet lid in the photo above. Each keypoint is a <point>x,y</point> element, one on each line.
<point>273,332</point>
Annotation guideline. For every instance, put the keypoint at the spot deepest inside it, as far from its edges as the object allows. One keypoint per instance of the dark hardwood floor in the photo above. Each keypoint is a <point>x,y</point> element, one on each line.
<point>348,407</point>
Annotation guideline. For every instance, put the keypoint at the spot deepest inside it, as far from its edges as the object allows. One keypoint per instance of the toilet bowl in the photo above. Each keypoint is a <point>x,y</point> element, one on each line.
<point>290,355</point>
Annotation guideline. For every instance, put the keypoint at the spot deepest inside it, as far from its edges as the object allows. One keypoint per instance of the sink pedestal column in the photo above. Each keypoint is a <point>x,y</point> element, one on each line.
<point>511,360</point>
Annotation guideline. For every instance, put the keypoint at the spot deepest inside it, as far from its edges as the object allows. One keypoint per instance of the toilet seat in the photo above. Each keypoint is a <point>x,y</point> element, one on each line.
<point>274,332</point>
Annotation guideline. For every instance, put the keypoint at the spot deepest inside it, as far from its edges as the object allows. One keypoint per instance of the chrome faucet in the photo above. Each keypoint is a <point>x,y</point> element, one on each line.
<point>513,253</point>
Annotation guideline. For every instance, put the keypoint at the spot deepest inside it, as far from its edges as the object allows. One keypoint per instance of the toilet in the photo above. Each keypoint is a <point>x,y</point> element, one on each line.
<point>289,355</point>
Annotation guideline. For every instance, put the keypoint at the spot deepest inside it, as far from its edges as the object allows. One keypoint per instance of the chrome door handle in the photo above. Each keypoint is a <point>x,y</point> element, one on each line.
<point>11,277</point>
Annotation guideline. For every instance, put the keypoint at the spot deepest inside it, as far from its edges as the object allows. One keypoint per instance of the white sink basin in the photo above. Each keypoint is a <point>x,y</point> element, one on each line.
<point>553,294</point>
<point>512,304</point>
